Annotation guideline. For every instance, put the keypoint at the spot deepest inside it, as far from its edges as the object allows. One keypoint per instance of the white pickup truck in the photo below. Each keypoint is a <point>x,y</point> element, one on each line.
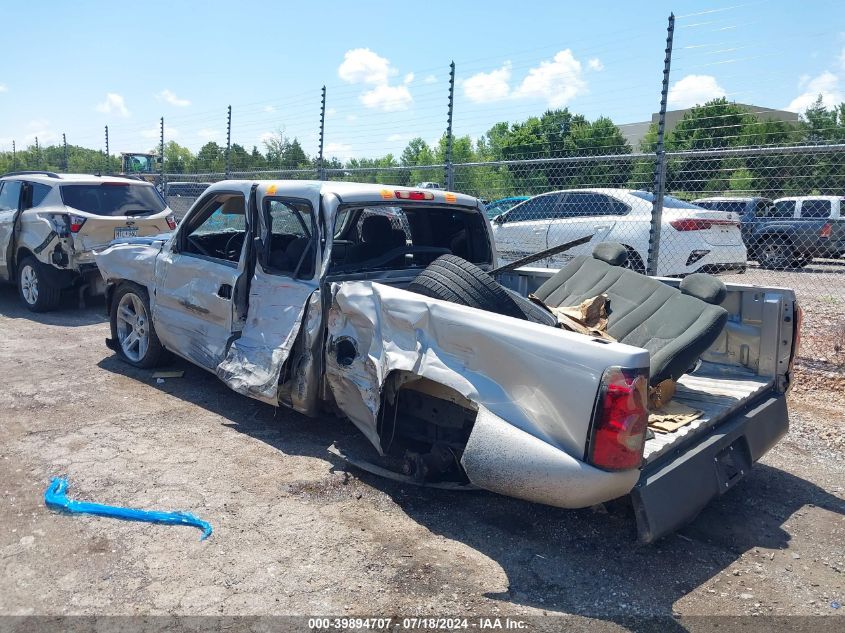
<point>373,302</point>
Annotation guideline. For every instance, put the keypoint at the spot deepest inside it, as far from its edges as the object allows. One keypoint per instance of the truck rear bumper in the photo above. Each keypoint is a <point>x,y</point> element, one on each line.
<point>674,489</point>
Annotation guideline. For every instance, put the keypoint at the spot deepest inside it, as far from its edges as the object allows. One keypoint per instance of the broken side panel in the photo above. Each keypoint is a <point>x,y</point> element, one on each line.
<point>541,380</point>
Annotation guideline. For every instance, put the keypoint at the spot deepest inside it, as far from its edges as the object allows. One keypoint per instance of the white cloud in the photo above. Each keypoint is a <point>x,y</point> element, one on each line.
<point>694,90</point>
<point>172,99</point>
<point>269,108</point>
<point>361,65</point>
<point>398,138</point>
<point>487,87</point>
<point>207,134</point>
<point>351,117</point>
<point>40,129</point>
<point>4,88</point>
<point>595,64</point>
<point>114,103</point>
<point>557,81</point>
<point>826,85</point>
<point>330,112</point>
<point>155,132</point>
<point>342,151</point>
<point>430,79</point>
<point>387,98</point>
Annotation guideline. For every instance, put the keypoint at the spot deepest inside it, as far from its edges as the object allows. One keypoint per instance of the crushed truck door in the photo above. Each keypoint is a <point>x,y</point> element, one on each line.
<point>287,272</point>
<point>197,275</point>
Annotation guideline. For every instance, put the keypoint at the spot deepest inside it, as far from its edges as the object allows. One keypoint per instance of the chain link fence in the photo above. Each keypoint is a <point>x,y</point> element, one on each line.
<point>769,216</point>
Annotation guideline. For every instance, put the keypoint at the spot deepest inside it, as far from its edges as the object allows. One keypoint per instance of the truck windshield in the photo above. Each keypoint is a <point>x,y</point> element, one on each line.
<point>113,198</point>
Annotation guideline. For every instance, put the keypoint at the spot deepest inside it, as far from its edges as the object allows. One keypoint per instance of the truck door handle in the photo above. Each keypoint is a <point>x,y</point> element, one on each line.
<point>225,291</point>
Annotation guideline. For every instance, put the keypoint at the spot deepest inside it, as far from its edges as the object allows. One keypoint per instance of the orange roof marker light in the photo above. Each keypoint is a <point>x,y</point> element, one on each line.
<point>451,197</point>
<point>271,190</point>
<point>386,194</point>
<point>414,195</point>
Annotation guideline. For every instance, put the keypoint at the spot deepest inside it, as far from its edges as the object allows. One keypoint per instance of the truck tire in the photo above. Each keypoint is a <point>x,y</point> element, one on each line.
<point>132,331</point>
<point>775,253</point>
<point>34,288</point>
<point>451,278</point>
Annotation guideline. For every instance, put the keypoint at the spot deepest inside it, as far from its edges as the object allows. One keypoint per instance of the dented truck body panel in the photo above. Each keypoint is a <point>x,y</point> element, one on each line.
<point>541,380</point>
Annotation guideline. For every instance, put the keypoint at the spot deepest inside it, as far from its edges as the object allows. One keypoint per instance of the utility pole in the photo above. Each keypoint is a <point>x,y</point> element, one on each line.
<point>228,143</point>
<point>161,157</point>
<point>321,171</point>
<point>64,147</point>
<point>660,159</point>
<point>450,174</point>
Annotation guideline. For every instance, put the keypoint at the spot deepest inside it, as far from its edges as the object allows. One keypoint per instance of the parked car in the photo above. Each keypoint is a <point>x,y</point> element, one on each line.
<point>497,207</point>
<point>429,185</point>
<point>51,223</point>
<point>692,239</point>
<point>181,195</point>
<point>789,232</point>
<point>374,303</point>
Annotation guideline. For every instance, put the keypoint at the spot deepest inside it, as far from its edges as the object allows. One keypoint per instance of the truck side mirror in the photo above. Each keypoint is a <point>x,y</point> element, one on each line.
<point>499,219</point>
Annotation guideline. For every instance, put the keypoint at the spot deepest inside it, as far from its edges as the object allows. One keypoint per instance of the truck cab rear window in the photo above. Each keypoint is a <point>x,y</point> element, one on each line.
<point>113,199</point>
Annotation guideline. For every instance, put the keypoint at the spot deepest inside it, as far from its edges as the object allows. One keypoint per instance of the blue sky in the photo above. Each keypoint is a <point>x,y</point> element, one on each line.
<point>76,67</point>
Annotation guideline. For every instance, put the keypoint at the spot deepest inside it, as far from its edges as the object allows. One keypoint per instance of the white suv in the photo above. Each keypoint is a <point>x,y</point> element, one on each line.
<point>50,225</point>
<point>692,239</point>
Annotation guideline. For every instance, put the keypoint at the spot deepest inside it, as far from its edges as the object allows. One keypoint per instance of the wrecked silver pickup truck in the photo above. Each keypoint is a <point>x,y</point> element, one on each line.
<point>373,302</point>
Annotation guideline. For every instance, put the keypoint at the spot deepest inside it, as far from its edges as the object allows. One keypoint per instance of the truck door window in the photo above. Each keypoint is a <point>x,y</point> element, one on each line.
<point>219,230</point>
<point>291,244</point>
<point>815,209</point>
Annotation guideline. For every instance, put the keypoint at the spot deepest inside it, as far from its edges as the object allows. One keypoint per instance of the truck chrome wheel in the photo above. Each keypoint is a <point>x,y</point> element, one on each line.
<point>133,327</point>
<point>29,284</point>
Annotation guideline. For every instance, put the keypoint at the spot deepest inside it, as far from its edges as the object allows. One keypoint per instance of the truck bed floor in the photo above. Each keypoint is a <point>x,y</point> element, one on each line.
<point>716,395</point>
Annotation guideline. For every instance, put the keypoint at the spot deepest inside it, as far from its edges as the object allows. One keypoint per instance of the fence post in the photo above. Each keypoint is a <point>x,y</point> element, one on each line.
<point>229,143</point>
<point>37,154</point>
<point>450,172</point>
<point>321,171</point>
<point>108,165</point>
<point>660,159</point>
<point>161,154</point>
<point>64,146</point>
<point>14,157</point>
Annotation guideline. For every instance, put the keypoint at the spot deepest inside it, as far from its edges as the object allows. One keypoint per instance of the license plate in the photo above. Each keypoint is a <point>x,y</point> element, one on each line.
<point>125,232</point>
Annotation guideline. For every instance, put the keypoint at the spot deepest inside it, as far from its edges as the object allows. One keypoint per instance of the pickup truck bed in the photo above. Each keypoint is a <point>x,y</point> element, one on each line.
<point>718,396</point>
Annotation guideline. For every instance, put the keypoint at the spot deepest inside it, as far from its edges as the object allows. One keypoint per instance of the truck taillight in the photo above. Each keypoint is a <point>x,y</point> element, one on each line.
<point>171,221</point>
<point>827,229</point>
<point>414,195</point>
<point>75,223</point>
<point>620,420</point>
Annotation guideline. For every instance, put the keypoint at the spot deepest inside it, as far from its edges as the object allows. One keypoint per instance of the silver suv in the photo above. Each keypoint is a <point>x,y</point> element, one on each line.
<point>51,223</point>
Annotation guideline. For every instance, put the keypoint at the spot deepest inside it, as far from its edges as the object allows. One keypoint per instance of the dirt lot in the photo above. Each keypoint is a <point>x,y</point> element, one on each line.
<point>296,531</point>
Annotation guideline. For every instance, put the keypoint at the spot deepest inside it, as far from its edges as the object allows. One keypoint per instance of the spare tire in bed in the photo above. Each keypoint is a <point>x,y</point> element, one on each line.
<point>451,278</point>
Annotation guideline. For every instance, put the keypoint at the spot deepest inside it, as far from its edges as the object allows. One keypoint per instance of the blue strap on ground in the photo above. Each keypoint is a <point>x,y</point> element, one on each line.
<point>55,498</point>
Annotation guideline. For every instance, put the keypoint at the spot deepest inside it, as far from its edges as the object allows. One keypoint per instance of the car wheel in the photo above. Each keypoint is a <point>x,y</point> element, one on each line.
<point>132,328</point>
<point>634,261</point>
<point>775,254</point>
<point>451,278</point>
<point>36,291</point>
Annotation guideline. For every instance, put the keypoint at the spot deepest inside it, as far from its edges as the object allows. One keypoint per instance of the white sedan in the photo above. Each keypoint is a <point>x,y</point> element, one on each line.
<point>692,239</point>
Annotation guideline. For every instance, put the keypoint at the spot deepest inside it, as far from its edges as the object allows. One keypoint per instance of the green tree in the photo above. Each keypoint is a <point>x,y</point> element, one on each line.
<point>177,159</point>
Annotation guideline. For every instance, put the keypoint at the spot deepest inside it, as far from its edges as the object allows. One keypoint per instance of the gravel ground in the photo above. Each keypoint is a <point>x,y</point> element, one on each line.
<point>296,532</point>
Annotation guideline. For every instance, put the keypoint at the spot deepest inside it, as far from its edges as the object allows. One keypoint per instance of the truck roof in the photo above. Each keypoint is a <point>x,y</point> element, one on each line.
<point>351,191</point>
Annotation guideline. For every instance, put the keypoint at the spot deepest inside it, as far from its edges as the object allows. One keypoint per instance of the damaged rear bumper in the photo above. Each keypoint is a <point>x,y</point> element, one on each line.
<point>502,458</point>
<point>673,490</point>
